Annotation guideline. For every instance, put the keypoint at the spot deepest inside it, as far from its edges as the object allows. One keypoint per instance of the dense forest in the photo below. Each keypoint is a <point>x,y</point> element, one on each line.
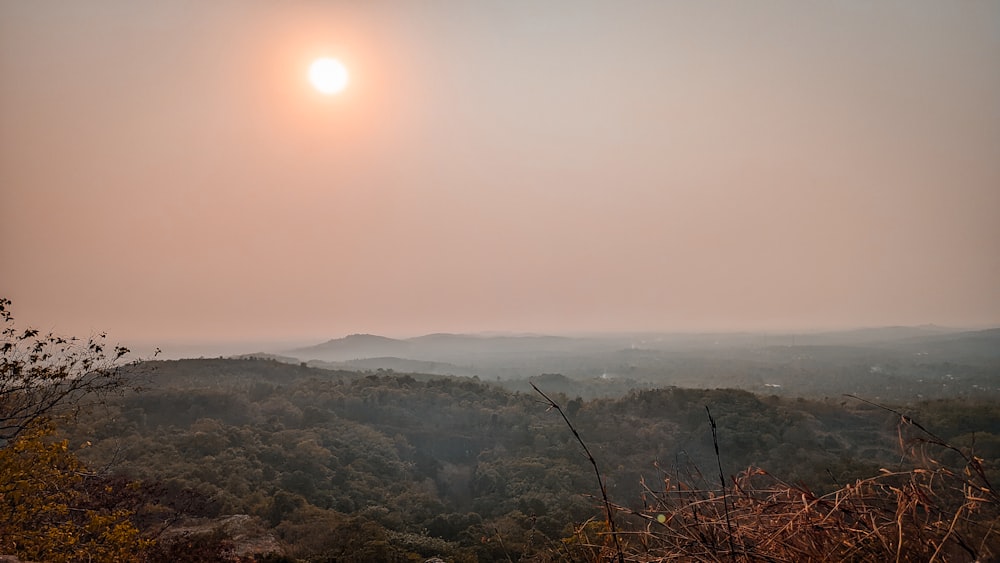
<point>327,465</point>
<point>285,459</point>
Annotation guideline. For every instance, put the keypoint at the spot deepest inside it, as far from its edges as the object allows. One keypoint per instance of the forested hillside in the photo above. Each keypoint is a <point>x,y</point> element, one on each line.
<point>353,466</point>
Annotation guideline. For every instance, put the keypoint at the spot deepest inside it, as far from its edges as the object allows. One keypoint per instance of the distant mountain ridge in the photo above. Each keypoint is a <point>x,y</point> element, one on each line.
<point>439,347</point>
<point>650,356</point>
<point>353,347</point>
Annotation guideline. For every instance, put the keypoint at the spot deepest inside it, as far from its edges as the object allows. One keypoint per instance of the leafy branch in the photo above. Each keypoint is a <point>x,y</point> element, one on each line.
<point>46,375</point>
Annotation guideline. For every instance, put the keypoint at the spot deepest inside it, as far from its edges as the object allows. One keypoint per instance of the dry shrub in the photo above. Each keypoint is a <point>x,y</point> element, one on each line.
<point>927,512</point>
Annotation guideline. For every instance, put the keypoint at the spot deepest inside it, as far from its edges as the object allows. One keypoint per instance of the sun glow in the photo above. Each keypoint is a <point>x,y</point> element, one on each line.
<point>328,76</point>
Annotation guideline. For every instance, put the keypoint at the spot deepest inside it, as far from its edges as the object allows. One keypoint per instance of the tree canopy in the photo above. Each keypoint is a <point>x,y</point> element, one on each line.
<point>51,507</point>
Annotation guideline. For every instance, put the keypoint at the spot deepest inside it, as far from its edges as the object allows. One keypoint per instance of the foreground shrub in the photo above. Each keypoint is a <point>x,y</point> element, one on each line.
<point>928,512</point>
<point>47,511</point>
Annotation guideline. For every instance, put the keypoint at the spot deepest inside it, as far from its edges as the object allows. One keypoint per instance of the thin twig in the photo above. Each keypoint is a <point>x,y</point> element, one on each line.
<point>600,480</point>
<point>722,481</point>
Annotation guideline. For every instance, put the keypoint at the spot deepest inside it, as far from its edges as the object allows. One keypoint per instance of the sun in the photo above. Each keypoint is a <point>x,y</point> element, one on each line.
<point>329,76</point>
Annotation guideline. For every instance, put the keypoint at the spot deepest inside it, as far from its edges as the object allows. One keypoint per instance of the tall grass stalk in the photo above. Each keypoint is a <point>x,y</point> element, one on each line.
<point>609,511</point>
<point>929,512</point>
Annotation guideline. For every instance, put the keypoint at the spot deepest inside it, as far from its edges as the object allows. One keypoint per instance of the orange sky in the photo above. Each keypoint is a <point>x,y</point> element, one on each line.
<point>166,171</point>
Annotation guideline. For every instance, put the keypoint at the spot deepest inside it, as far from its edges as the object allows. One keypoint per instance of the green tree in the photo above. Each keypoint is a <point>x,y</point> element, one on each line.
<point>49,509</point>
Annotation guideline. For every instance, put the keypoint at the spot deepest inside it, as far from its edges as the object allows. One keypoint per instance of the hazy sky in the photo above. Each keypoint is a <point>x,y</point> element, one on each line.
<point>167,172</point>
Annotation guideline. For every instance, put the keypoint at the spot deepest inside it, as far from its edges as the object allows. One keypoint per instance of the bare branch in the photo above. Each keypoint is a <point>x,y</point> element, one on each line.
<point>47,376</point>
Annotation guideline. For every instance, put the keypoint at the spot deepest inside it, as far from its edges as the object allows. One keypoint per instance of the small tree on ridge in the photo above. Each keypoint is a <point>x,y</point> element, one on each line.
<point>49,376</point>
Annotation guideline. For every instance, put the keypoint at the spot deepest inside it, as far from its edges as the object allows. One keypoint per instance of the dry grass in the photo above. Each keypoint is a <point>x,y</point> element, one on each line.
<point>927,512</point>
